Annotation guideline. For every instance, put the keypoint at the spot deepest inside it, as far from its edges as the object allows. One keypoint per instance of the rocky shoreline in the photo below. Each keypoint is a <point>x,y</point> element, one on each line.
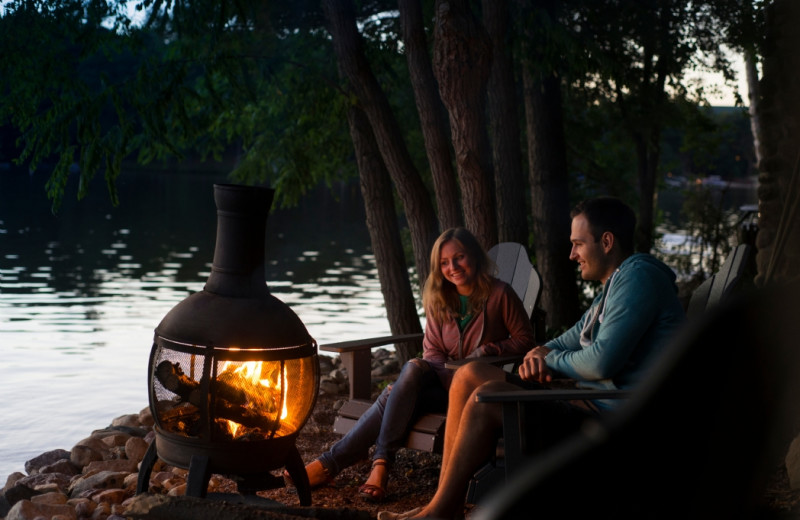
<point>97,478</point>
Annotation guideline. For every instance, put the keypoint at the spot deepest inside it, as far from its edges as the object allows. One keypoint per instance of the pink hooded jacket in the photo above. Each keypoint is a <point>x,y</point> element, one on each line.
<point>501,328</point>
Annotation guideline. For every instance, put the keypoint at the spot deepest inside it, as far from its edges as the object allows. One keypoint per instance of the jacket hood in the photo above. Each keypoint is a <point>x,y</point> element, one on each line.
<point>645,259</point>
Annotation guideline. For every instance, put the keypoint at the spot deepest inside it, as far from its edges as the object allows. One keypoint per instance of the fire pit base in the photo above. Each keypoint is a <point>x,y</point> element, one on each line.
<point>201,467</point>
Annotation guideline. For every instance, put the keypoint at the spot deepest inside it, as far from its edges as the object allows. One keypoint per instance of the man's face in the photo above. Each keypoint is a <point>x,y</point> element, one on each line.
<point>592,255</point>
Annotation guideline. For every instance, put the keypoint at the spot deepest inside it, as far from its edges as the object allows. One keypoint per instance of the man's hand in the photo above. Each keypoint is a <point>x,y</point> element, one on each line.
<point>533,366</point>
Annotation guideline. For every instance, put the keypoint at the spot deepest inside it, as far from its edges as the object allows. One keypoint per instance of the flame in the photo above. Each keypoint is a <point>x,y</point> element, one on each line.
<point>249,377</point>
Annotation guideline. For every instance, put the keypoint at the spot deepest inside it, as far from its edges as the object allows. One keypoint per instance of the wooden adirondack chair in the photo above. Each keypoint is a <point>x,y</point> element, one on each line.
<point>513,267</point>
<point>700,438</point>
<point>518,446</point>
<point>718,286</point>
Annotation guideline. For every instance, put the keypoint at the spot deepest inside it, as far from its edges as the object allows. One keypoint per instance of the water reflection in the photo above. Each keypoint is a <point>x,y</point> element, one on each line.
<point>82,291</point>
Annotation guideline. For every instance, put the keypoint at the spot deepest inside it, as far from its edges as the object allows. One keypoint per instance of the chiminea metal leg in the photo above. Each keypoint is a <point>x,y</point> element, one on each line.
<point>297,470</point>
<point>148,461</point>
<point>199,474</point>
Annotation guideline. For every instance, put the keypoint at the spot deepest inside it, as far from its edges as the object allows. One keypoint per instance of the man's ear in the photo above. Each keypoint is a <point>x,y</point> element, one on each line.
<point>607,240</point>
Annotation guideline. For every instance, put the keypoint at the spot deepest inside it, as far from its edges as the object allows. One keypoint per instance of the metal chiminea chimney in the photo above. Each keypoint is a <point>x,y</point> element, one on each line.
<point>233,373</point>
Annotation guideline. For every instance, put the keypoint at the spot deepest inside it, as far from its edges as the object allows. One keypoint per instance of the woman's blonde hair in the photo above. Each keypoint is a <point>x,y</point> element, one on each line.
<point>440,297</point>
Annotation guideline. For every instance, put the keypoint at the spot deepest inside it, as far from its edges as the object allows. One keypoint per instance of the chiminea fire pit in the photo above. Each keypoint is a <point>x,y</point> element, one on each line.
<point>233,372</point>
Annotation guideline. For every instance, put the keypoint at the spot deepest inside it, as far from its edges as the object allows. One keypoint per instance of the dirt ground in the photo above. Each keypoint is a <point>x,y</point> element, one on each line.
<point>412,481</point>
<point>414,477</point>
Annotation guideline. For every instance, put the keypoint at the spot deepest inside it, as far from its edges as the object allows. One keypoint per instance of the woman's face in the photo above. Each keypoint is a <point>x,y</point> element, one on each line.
<point>457,267</point>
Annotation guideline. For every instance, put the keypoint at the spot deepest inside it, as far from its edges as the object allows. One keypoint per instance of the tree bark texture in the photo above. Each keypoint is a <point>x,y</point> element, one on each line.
<point>462,57</point>
<point>353,65</point>
<point>549,184</point>
<point>778,239</point>
<point>384,231</point>
<point>432,114</point>
<point>503,110</point>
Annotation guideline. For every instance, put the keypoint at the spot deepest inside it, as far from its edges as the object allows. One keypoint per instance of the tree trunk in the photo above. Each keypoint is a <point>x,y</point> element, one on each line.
<point>512,222</point>
<point>384,232</point>
<point>353,64</point>
<point>432,115</point>
<point>648,151</point>
<point>462,57</point>
<point>754,97</point>
<point>549,180</point>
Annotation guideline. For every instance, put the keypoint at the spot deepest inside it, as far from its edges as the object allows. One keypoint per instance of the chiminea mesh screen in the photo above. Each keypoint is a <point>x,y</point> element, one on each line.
<point>230,394</point>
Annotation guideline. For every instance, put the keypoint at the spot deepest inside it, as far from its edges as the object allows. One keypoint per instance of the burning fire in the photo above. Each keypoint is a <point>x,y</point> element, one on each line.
<point>261,385</point>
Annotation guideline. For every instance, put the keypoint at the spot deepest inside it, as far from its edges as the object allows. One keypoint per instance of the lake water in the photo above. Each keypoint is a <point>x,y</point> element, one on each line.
<point>82,291</point>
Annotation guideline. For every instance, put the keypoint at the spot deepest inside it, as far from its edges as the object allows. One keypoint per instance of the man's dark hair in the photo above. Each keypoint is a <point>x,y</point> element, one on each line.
<point>609,214</point>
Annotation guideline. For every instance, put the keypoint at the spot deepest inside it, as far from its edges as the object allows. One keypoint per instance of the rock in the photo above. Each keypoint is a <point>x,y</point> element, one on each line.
<point>117,439</point>
<point>130,420</point>
<point>177,491</point>
<point>82,455</point>
<point>62,466</point>
<point>118,465</point>
<point>135,449</point>
<point>384,369</point>
<point>44,482</point>
<point>51,457</point>
<point>338,375</point>
<point>27,510</point>
<point>325,364</point>
<point>131,481</point>
<point>54,497</point>
<point>102,480</point>
<point>146,418</point>
<point>12,480</point>
<point>83,506</point>
<point>18,491</point>
<point>102,511</point>
<point>332,387</point>
<point>110,496</point>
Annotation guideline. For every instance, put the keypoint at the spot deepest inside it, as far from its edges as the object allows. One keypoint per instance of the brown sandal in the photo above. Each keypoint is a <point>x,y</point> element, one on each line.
<point>371,492</point>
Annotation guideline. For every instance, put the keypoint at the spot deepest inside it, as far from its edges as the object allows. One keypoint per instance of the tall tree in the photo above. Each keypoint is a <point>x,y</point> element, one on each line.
<point>462,50</point>
<point>348,46</point>
<point>503,113</point>
<point>432,115</point>
<point>384,232</point>
<point>547,162</point>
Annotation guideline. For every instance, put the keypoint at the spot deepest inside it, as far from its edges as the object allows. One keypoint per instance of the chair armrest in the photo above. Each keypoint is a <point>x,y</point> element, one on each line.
<point>369,343</point>
<point>492,360</point>
<point>521,396</point>
<point>357,359</point>
<point>519,443</point>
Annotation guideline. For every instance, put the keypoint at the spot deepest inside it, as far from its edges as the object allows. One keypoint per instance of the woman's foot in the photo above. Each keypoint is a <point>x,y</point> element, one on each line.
<point>387,515</point>
<point>374,489</point>
<point>318,475</point>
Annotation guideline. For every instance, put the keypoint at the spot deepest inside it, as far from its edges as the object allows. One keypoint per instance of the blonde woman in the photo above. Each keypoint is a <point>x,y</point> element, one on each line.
<point>469,313</point>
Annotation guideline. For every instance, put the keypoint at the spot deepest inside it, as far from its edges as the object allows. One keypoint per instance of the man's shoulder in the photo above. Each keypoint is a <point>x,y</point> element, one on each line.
<point>645,264</point>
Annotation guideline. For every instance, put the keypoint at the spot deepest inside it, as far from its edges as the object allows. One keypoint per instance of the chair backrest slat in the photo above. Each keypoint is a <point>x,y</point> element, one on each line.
<point>515,268</point>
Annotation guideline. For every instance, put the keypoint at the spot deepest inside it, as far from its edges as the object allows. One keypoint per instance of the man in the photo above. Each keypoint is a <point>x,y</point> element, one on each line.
<point>628,324</point>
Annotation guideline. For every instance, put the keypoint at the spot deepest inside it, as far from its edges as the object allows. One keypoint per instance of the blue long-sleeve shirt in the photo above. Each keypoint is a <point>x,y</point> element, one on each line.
<point>628,323</point>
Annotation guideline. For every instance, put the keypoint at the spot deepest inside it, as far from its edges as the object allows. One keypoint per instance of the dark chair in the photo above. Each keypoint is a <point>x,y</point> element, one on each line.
<point>720,285</point>
<point>513,267</point>
<point>700,437</point>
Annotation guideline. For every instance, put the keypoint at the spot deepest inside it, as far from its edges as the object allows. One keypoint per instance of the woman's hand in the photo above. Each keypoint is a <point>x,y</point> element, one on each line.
<point>534,367</point>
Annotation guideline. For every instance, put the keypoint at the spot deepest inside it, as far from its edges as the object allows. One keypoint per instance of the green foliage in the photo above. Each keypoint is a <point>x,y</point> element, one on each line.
<point>207,78</point>
<point>708,230</point>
